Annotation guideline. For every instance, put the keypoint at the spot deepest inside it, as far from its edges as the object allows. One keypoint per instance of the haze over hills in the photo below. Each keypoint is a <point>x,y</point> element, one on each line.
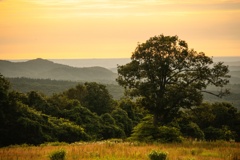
<point>87,69</point>
<point>108,63</point>
<point>113,62</point>
<point>45,69</point>
<point>40,69</point>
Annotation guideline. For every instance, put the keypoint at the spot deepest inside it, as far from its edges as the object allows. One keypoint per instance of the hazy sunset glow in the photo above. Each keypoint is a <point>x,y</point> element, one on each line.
<point>111,29</point>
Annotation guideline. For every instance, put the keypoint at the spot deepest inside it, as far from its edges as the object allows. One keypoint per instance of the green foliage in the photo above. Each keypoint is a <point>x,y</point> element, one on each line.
<point>4,87</point>
<point>58,155</point>
<point>50,87</point>
<point>122,120</point>
<point>111,131</point>
<point>192,130</point>
<point>46,86</point>
<point>84,117</point>
<point>168,76</point>
<point>147,132</point>
<point>93,96</point>
<point>98,99</point>
<point>169,134</point>
<point>217,120</point>
<point>109,128</point>
<point>134,111</point>
<point>32,126</point>
<point>224,133</point>
<point>157,155</point>
<point>225,114</point>
<point>108,119</point>
<point>65,117</point>
<point>67,131</point>
<point>38,102</point>
<point>212,133</point>
<point>203,115</point>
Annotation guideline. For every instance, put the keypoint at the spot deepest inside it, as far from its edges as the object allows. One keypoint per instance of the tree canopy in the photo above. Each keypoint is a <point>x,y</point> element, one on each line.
<point>166,75</point>
<point>92,95</point>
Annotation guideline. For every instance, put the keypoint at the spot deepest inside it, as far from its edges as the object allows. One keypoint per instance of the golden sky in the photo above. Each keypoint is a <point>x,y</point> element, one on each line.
<point>112,28</point>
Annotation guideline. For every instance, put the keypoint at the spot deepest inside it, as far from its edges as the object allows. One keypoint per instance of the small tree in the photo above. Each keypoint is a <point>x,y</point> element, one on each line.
<point>166,75</point>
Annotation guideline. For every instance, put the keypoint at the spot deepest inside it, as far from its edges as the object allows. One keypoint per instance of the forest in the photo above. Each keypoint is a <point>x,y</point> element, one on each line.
<point>49,87</point>
<point>87,112</point>
<point>163,102</point>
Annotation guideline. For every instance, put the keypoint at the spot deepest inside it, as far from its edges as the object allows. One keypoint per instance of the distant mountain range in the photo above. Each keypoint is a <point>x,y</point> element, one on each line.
<point>98,70</point>
<point>45,69</point>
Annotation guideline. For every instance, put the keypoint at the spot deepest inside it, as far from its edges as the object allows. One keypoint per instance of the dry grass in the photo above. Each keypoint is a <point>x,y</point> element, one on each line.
<point>108,150</point>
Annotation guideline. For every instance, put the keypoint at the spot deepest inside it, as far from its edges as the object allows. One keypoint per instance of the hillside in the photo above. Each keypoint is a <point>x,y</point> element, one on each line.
<point>49,87</point>
<point>45,69</point>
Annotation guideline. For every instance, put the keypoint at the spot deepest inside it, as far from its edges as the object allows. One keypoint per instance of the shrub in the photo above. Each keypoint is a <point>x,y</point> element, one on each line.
<point>192,130</point>
<point>58,155</point>
<point>145,131</point>
<point>169,134</point>
<point>157,155</point>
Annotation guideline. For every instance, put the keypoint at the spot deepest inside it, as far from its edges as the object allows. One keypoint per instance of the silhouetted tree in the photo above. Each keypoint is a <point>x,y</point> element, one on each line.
<point>166,75</point>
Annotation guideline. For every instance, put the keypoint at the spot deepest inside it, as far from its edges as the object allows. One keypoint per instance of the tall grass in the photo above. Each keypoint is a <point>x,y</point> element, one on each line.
<point>107,150</point>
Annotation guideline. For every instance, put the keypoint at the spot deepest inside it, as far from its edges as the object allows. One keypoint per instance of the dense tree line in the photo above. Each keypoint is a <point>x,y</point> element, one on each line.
<point>88,112</point>
<point>85,112</point>
<point>49,87</point>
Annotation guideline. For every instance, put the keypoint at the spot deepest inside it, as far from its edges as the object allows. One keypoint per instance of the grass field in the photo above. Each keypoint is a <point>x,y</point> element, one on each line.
<point>110,150</point>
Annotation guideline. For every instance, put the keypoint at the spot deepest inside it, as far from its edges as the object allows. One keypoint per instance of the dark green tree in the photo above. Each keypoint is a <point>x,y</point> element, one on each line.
<point>225,114</point>
<point>123,121</point>
<point>109,128</point>
<point>166,75</point>
<point>135,112</point>
<point>4,87</point>
<point>98,99</point>
<point>37,101</point>
<point>145,131</point>
<point>21,123</point>
<point>93,96</point>
<point>192,130</point>
<point>217,120</point>
<point>203,115</point>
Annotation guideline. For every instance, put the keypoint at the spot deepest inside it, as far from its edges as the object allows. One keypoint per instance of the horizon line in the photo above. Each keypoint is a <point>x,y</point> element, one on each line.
<point>100,58</point>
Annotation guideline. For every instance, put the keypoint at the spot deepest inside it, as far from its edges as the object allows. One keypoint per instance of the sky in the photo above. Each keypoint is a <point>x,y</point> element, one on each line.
<point>71,29</point>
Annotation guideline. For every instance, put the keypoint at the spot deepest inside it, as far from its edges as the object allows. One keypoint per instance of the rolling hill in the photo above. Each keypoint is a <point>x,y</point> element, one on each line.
<point>45,69</point>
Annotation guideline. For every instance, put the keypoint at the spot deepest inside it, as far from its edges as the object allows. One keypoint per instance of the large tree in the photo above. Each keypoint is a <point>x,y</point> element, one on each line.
<point>166,75</point>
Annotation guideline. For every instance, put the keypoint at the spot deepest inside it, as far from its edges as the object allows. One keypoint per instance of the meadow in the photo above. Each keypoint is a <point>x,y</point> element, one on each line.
<point>111,150</point>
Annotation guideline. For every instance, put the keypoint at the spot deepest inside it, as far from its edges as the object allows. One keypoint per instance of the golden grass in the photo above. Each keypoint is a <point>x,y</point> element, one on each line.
<point>108,150</point>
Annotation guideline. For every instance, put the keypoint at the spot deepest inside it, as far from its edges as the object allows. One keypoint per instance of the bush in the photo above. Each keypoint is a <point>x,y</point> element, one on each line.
<point>145,131</point>
<point>157,155</point>
<point>169,134</point>
<point>192,130</point>
<point>58,155</point>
